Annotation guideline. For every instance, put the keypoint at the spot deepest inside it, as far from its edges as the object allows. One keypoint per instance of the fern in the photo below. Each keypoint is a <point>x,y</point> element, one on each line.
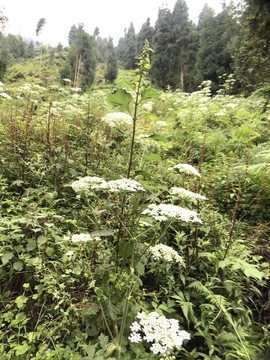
<point>219,302</point>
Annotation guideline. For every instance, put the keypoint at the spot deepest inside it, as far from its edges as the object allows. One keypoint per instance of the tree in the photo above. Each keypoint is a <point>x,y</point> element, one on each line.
<point>40,25</point>
<point>111,63</point>
<point>4,55</point>
<point>216,34</point>
<point>161,44</point>
<point>181,30</point>
<point>126,50</point>
<point>16,46</point>
<point>146,33</point>
<point>81,59</point>
<point>251,59</point>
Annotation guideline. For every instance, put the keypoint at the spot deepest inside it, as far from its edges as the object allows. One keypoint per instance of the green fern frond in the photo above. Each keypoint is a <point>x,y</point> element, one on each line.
<point>220,302</point>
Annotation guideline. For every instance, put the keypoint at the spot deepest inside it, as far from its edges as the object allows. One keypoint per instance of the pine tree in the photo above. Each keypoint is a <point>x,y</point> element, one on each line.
<point>181,37</point>
<point>251,59</point>
<point>130,49</point>
<point>216,34</point>
<point>111,63</point>
<point>126,49</point>
<point>162,53</point>
<point>146,33</point>
<point>40,25</point>
<point>82,58</point>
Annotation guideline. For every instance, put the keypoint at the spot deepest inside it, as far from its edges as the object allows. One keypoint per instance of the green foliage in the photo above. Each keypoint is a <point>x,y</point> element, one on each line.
<point>62,299</point>
<point>111,63</point>
<point>81,59</point>
<point>40,25</point>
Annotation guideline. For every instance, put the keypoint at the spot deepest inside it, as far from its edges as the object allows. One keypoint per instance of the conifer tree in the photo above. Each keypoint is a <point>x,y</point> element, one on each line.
<point>111,63</point>
<point>81,60</point>
<point>162,49</point>
<point>251,59</point>
<point>146,33</point>
<point>40,25</point>
<point>130,48</point>
<point>216,34</point>
<point>181,30</point>
<point>126,49</point>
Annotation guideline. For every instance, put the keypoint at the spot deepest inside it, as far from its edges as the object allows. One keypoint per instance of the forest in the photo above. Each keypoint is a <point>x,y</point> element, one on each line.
<point>135,190</point>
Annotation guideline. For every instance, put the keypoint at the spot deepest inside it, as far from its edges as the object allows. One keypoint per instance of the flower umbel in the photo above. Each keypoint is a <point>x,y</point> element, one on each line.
<point>167,253</point>
<point>119,185</point>
<point>164,212</point>
<point>183,193</point>
<point>97,183</point>
<point>77,238</point>
<point>186,168</point>
<point>164,334</point>
<point>85,183</point>
<point>117,119</point>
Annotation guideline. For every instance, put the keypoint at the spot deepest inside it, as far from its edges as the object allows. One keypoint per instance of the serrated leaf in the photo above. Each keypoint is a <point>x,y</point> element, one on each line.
<point>6,257</point>
<point>22,349</point>
<point>120,98</point>
<point>20,301</point>
<point>18,265</point>
<point>252,271</point>
<point>41,240</point>
<point>50,251</point>
<point>149,93</point>
<point>31,244</point>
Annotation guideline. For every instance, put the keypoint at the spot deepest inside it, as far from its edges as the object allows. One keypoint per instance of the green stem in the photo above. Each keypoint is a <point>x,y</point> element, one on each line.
<point>131,153</point>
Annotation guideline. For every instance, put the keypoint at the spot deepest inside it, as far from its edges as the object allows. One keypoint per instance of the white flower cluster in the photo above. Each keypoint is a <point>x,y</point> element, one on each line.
<point>119,185</point>
<point>162,251</point>
<point>186,168</point>
<point>148,106</point>
<point>97,183</point>
<point>85,183</point>
<point>117,119</point>
<point>164,334</point>
<point>5,95</point>
<point>163,212</point>
<point>76,238</point>
<point>2,93</point>
<point>183,193</point>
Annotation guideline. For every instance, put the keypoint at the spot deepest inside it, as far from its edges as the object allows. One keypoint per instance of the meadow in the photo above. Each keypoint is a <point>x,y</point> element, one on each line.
<point>134,222</point>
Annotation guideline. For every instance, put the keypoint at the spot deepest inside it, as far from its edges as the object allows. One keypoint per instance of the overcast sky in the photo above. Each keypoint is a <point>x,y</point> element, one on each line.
<point>111,16</point>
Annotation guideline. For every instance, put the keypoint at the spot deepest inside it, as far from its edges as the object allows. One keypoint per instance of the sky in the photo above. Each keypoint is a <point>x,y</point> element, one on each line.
<point>110,16</point>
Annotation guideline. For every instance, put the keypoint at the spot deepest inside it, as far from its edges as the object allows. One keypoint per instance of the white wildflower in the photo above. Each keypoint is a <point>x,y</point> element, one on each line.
<point>220,113</point>
<point>232,105</point>
<point>76,89</point>
<point>5,95</point>
<point>148,106</point>
<point>67,80</point>
<point>69,253</point>
<point>163,334</point>
<point>166,253</point>
<point>85,183</point>
<point>163,212</point>
<point>186,168</point>
<point>119,185</point>
<point>75,238</point>
<point>116,119</point>
<point>183,193</point>
<point>26,87</point>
